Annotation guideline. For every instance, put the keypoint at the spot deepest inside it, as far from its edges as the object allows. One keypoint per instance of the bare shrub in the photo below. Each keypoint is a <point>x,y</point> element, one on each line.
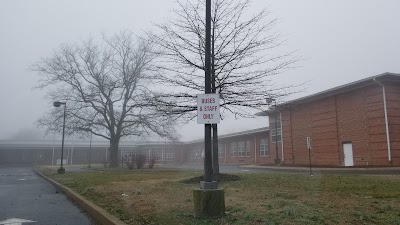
<point>140,160</point>
<point>130,161</point>
<point>151,162</point>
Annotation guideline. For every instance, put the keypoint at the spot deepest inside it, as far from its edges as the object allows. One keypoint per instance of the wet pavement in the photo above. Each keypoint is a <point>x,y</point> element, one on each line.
<point>26,198</point>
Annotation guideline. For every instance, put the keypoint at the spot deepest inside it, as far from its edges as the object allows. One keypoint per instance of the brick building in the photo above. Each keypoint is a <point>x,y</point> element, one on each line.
<point>247,147</point>
<point>357,124</point>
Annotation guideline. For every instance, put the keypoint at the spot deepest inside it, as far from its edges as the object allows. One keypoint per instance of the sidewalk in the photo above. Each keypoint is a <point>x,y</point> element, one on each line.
<point>306,168</point>
<point>331,170</point>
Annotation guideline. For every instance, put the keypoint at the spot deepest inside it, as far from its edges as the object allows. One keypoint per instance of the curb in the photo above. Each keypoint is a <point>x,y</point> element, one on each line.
<point>98,214</point>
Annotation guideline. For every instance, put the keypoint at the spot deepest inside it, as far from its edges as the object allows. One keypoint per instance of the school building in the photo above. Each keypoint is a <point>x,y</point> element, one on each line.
<point>356,124</point>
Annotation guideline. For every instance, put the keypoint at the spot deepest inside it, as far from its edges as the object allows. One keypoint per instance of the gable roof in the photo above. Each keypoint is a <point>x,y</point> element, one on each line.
<point>385,77</point>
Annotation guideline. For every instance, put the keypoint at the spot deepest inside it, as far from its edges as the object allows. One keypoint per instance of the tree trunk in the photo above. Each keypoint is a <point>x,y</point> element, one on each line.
<point>114,142</point>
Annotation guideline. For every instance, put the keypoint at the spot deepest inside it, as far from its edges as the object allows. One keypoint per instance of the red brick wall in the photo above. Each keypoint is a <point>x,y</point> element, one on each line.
<point>393,108</point>
<point>355,116</point>
<point>316,120</point>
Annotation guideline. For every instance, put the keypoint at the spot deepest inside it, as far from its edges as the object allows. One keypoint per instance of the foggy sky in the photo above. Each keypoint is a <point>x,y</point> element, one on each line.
<point>342,41</point>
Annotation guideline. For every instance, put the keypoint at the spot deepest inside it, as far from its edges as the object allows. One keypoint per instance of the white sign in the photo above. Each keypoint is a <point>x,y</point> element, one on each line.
<point>208,109</point>
<point>308,143</point>
<point>15,221</point>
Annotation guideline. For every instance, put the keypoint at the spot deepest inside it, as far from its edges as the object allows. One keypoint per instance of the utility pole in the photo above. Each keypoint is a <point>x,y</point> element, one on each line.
<point>209,201</point>
<point>215,162</point>
<point>208,170</point>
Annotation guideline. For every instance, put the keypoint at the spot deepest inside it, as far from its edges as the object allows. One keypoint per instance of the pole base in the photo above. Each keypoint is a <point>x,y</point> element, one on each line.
<point>208,185</point>
<point>209,203</point>
<point>61,170</point>
<point>277,161</point>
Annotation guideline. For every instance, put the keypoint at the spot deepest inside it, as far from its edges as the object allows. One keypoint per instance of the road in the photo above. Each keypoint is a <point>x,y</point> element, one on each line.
<point>25,195</point>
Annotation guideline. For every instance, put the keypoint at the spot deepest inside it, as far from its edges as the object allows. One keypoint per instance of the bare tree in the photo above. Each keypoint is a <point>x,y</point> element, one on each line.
<point>106,86</point>
<point>245,57</point>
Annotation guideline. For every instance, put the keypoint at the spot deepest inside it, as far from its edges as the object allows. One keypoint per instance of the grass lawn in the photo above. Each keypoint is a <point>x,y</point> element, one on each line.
<point>157,197</point>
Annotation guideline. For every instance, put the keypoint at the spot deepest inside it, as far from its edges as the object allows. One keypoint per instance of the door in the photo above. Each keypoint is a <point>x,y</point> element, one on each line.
<point>348,154</point>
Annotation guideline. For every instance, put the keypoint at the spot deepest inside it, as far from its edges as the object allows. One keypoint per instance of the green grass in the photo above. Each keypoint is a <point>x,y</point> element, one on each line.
<point>157,197</point>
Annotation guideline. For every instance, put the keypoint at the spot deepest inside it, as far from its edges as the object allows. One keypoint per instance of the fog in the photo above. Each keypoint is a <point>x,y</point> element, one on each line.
<point>340,41</point>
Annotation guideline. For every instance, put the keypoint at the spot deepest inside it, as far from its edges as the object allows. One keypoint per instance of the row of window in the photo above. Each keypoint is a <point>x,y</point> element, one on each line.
<point>237,149</point>
<point>160,154</point>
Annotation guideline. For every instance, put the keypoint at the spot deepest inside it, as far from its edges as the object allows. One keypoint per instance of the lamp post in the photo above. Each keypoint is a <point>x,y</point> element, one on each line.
<point>90,149</point>
<point>277,160</point>
<point>57,104</point>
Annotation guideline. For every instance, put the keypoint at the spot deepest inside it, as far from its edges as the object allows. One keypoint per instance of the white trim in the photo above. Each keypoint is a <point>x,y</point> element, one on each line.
<point>386,120</point>
<point>283,156</point>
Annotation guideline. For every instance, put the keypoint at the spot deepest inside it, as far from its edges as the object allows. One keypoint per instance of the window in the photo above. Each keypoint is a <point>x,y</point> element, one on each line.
<point>248,148</point>
<point>220,150</point>
<point>264,151</point>
<point>240,149</point>
<point>233,149</point>
<point>169,154</point>
<point>273,131</point>
<point>156,153</point>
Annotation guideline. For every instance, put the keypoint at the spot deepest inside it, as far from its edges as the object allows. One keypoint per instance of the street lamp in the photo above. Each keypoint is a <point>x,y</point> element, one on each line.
<point>57,104</point>
<point>269,101</point>
<point>90,149</point>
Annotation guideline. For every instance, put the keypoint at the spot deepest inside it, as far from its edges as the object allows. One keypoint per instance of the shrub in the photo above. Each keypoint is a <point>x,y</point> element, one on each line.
<point>140,160</point>
<point>151,162</point>
<point>130,161</point>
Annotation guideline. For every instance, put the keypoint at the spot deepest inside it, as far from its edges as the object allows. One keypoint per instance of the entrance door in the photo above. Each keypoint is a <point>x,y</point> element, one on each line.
<point>348,154</point>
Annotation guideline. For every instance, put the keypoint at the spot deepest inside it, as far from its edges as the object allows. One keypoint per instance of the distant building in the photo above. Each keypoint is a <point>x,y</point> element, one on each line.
<point>249,147</point>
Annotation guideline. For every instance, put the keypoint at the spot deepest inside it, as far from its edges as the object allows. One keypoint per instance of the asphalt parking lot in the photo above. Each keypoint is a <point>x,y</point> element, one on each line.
<point>26,198</point>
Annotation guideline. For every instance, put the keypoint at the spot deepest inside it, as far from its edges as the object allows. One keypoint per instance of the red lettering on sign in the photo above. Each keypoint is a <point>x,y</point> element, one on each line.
<point>208,100</point>
<point>210,108</point>
<point>208,116</point>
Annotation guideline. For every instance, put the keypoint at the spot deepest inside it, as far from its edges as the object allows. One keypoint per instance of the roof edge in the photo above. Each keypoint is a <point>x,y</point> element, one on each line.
<point>343,88</point>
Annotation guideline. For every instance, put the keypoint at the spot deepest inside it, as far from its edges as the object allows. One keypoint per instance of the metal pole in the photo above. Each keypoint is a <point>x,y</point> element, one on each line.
<point>54,143</point>
<point>90,150</point>
<point>62,170</point>
<point>208,170</point>
<point>309,156</point>
<point>72,152</point>
<point>277,160</point>
<point>215,150</point>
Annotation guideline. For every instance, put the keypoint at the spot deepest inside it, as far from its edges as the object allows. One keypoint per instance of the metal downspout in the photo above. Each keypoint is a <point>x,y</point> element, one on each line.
<point>386,119</point>
<point>283,156</point>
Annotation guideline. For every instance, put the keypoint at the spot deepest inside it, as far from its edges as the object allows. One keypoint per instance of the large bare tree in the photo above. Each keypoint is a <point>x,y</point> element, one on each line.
<point>106,85</point>
<point>246,55</point>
